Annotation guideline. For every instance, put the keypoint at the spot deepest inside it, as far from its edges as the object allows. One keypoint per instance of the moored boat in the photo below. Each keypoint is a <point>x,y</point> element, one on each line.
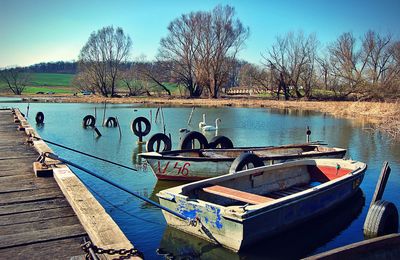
<point>197,164</point>
<point>238,209</point>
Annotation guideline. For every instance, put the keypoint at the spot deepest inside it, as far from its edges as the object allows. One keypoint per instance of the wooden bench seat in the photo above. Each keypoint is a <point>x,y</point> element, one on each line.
<point>237,194</point>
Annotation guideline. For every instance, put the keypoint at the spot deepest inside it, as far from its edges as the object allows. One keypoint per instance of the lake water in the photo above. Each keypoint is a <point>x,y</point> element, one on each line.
<point>144,224</point>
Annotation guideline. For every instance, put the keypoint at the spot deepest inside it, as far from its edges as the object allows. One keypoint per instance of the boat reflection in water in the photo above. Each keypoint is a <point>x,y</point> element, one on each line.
<point>294,243</point>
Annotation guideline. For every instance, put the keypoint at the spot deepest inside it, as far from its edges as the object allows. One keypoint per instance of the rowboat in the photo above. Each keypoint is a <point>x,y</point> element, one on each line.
<point>299,241</point>
<point>235,210</point>
<point>197,164</point>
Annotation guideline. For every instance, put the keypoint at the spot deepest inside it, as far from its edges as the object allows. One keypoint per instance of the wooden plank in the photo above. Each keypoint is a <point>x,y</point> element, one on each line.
<point>24,185</point>
<point>36,236</point>
<point>90,212</point>
<point>381,184</point>
<point>39,225</point>
<point>30,217</point>
<point>30,195</point>
<point>237,194</point>
<point>60,249</point>
<point>33,206</point>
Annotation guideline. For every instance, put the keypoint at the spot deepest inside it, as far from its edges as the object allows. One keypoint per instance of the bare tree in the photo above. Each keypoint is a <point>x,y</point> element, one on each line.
<point>378,53</point>
<point>177,51</point>
<point>130,78</point>
<point>252,76</point>
<point>292,60</point>
<point>347,64</point>
<point>101,57</point>
<point>200,48</point>
<point>225,36</point>
<point>15,79</point>
<point>157,72</point>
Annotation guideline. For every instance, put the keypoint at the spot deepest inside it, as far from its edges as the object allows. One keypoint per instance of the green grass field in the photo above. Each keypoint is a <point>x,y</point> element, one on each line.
<point>46,82</point>
<point>51,79</point>
<point>62,84</point>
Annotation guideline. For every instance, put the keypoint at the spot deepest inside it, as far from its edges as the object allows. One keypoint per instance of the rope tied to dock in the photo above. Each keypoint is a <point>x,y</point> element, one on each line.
<point>89,248</point>
<point>177,214</point>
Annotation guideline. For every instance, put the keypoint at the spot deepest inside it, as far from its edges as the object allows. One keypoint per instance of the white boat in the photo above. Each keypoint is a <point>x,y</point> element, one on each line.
<point>197,164</point>
<point>237,209</point>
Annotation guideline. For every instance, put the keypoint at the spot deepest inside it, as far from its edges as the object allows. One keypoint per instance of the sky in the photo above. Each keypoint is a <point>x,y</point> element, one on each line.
<point>33,31</point>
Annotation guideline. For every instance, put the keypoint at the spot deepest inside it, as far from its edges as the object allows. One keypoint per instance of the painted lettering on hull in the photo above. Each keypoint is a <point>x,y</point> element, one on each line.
<point>178,168</point>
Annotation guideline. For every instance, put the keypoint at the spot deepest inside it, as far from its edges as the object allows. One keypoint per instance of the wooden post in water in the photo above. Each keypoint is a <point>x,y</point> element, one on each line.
<point>381,185</point>
<point>95,114</point>
<point>97,131</point>
<point>190,116</point>
<point>151,116</point>
<point>27,110</point>
<point>104,112</point>
<point>163,120</point>
<point>119,127</point>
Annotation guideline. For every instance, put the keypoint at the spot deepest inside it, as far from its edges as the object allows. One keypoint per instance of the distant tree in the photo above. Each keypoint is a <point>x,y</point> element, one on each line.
<point>15,79</point>
<point>157,72</point>
<point>178,50</point>
<point>82,82</point>
<point>380,72</point>
<point>200,48</point>
<point>347,65</point>
<point>53,67</point>
<point>292,62</point>
<point>254,76</point>
<point>134,80</point>
<point>102,56</point>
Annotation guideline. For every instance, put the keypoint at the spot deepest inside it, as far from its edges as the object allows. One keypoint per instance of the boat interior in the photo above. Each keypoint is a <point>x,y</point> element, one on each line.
<point>265,185</point>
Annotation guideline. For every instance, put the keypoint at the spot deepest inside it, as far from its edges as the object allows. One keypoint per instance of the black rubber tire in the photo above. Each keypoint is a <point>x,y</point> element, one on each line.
<point>222,141</point>
<point>382,219</point>
<point>111,122</point>
<point>136,126</point>
<point>245,159</point>
<point>39,118</point>
<point>158,138</point>
<point>89,120</point>
<point>187,140</point>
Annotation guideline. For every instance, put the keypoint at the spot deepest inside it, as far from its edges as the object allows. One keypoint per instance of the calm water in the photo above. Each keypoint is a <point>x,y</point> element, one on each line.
<point>144,224</point>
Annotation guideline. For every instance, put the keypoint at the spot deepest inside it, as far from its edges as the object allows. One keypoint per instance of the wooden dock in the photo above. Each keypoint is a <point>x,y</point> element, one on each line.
<point>46,217</point>
<point>35,218</point>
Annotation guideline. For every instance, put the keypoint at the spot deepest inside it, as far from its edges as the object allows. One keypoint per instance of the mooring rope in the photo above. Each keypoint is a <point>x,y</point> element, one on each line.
<point>86,154</point>
<point>118,207</point>
<point>177,214</point>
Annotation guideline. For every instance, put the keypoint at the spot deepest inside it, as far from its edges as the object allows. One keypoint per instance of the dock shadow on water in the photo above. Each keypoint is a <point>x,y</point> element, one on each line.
<point>295,243</point>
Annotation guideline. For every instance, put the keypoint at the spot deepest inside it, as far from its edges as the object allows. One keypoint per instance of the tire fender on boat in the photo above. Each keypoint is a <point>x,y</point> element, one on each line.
<point>159,138</point>
<point>39,118</point>
<point>111,122</point>
<point>89,120</point>
<point>222,141</point>
<point>382,219</point>
<point>245,159</point>
<point>189,138</point>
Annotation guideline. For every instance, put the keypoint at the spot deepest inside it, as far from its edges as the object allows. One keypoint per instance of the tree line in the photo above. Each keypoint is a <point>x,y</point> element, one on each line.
<point>199,54</point>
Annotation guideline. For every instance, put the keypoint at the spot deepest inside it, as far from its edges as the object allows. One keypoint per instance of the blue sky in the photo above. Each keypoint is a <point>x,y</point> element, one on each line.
<point>33,31</point>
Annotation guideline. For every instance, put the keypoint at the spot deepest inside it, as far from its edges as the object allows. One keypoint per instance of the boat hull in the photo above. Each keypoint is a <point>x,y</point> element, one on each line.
<point>192,169</point>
